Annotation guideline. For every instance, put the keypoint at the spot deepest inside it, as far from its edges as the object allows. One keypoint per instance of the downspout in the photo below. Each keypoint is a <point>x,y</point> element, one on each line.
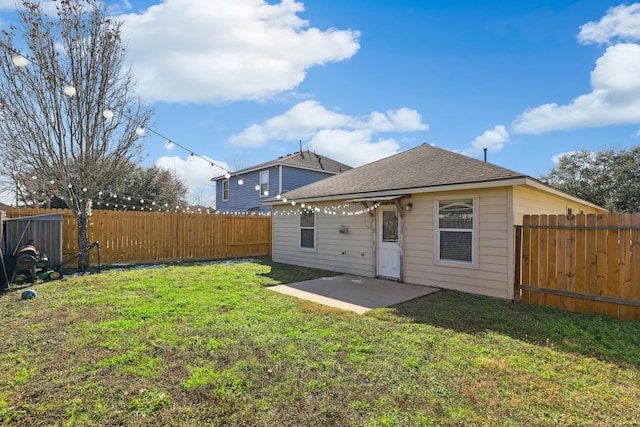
<point>279,179</point>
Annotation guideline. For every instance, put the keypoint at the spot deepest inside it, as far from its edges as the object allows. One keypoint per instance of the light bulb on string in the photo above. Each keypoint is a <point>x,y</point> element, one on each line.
<point>170,144</point>
<point>69,90</point>
<point>191,157</point>
<point>284,200</point>
<point>140,131</point>
<point>107,114</point>
<point>240,181</point>
<point>265,193</point>
<point>19,61</point>
<point>226,175</point>
<point>278,197</point>
<point>257,187</point>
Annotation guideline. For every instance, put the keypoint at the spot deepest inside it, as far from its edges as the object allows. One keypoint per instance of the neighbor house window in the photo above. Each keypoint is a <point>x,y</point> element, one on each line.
<point>225,189</point>
<point>264,183</point>
<point>307,230</point>
<point>456,230</point>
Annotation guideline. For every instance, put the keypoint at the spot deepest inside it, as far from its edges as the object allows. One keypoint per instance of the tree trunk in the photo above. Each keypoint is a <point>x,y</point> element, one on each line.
<point>83,242</point>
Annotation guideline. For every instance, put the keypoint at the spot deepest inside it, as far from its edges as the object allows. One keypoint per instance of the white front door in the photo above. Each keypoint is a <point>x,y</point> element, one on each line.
<point>389,240</point>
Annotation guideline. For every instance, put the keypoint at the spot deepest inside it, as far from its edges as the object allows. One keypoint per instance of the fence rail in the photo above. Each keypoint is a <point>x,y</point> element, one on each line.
<point>580,263</point>
<point>153,236</point>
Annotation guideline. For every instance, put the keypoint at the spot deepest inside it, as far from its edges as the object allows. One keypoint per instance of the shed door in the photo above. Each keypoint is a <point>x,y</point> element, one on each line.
<point>388,232</point>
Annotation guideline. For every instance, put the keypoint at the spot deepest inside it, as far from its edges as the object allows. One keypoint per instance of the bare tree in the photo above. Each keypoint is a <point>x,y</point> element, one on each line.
<point>67,114</point>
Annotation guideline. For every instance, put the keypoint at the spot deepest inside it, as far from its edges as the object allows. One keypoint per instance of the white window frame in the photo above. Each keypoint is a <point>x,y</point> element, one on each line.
<point>225,191</point>
<point>264,183</point>
<point>474,231</point>
<point>314,228</point>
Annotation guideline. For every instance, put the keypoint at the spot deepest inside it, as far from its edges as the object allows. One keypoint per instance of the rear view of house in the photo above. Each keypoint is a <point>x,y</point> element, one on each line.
<point>245,190</point>
<point>425,216</point>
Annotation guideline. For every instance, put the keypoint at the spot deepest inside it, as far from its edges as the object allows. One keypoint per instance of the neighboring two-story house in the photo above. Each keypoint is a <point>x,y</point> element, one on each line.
<point>246,189</point>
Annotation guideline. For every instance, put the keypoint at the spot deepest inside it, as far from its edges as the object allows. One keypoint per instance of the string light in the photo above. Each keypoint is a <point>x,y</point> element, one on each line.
<point>107,114</point>
<point>140,131</point>
<point>19,61</point>
<point>70,91</point>
<point>170,144</point>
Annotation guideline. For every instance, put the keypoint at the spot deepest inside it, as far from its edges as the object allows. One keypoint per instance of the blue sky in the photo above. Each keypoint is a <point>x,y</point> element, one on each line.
<point>241,82</point>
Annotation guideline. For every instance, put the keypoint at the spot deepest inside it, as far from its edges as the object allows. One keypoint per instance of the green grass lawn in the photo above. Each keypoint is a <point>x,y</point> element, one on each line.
<point>209,345</point>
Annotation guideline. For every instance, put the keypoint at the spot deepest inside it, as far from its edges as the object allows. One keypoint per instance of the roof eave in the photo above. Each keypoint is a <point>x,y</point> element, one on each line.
<point>545,187</point>
<point>270,165</point>
<point>403,191</point>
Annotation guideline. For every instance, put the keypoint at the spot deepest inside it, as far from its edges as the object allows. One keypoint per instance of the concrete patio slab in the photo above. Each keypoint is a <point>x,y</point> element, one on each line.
<point>353,293</point>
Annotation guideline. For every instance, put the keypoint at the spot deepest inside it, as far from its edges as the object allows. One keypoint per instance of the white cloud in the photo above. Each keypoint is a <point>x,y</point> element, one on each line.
<point>47,6</point>
<point>615,98</point>
<point>352,147</point>
<point>492,140</point>
<point>197,173</point>
<point>556,159</point>
<point>621,23</point>
<point>221,50</point>
<point>349,139</point>
<point>8,4</point>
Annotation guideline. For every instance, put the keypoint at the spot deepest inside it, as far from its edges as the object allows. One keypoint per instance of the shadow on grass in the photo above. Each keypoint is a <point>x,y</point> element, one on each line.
<point>601,337</point>
<point>286,273</point>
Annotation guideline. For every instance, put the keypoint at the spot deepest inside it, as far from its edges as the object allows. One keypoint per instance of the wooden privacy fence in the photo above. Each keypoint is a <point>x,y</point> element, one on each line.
<point>580,263</point>
<point>126,236</point>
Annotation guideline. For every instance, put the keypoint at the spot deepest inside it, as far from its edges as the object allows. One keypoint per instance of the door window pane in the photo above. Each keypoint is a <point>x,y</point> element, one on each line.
<point>389,226</point>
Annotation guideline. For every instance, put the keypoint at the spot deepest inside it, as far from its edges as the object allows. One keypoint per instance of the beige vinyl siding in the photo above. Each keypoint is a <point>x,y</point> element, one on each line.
<point>490,274</point>
<point>532,201</point>
<point>350,253</point>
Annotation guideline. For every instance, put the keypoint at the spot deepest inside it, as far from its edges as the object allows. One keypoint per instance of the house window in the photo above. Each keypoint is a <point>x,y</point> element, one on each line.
<point>225,189</point>
<point>264,183</point>
<point>456,230</point>
<point>307,229</point>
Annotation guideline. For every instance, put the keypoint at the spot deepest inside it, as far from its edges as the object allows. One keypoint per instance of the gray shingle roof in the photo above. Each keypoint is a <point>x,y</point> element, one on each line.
<point>300,159</point>
<point>422,166</point>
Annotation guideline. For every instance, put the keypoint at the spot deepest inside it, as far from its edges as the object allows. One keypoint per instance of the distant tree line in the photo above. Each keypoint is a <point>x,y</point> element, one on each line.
<point>138,188</point>
<point>609,178</point>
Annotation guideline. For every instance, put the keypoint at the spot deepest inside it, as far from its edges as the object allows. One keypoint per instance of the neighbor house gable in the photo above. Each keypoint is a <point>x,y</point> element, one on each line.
<point>248,188</point>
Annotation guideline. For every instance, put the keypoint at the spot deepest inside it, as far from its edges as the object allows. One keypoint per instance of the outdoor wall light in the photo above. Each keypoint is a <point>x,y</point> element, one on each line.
<point>408,206</point>
<point>343,229</point>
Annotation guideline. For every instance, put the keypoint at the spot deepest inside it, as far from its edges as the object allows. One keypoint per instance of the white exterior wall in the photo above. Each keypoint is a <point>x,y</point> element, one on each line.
<point>497,210</point>
<point>531,201</point>
<point>351,253</point>
<point>491,273</point>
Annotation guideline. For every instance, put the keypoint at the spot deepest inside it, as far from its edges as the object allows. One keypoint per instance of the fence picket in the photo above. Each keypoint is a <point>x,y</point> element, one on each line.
<point>580,260</point>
